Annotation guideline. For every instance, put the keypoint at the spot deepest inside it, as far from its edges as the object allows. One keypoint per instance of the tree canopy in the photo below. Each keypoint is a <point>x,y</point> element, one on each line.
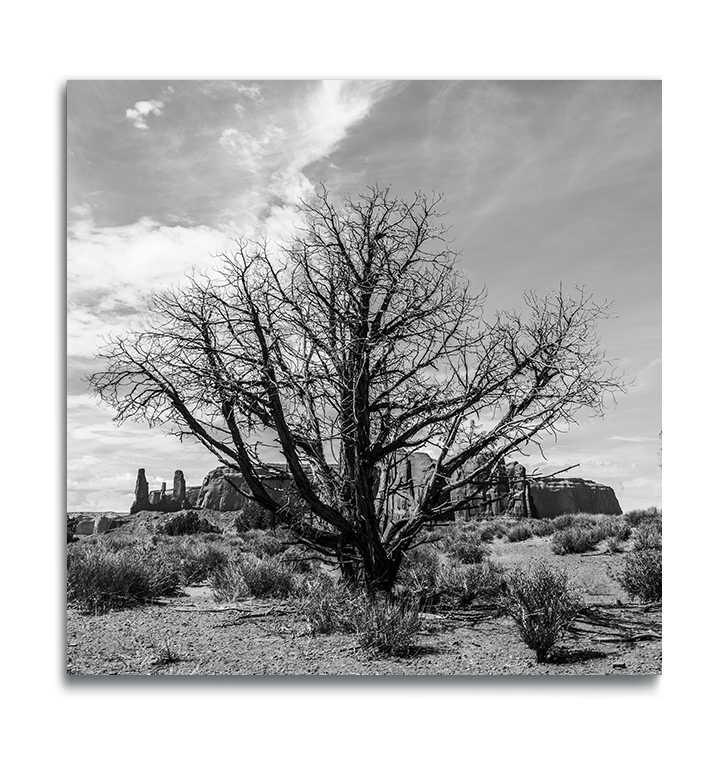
<point>349,348</point>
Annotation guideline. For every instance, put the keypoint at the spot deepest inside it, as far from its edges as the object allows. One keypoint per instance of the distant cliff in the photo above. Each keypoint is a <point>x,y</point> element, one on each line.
<point>507,493</point>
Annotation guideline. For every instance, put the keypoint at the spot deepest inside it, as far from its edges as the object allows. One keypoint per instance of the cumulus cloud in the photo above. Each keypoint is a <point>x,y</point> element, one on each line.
<point>113,270</point>
<point>141,110</point>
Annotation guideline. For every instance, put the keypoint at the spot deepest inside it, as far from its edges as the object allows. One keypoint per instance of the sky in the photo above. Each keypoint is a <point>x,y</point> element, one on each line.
<point>545,182</point>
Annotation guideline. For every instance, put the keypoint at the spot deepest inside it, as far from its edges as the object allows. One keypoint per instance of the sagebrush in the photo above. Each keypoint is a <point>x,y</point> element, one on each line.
<point>188,523</point>
<point>542,603</point>
<point>576,540</point>
<point>519,533</point>
<point>641,575</point>
<point>636,517</point>
<point>648,537</point>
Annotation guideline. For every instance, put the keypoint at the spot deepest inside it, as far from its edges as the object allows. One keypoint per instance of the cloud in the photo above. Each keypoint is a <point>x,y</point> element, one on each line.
<point>249,150</point>
<point>252,92</point>
<point>332,110</point>
<point>276,153</point>
<point>113,270</point>
<point>81,210</point>
<point>638,439</point>
<point>310,132</point>
<point>142,109</point>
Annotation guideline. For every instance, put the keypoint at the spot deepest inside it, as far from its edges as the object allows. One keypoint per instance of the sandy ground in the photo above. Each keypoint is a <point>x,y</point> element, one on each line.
<point>193,635</point>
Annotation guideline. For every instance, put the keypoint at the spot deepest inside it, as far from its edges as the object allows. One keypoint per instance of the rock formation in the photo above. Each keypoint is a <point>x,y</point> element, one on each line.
<point>409,481</point>
<point>179,487</point>
<point>97,523</point>
<point>192,496</point>
<point>217,494</point>
<point>506,493</point>
<point>160,500</point>
<point>142,495</point>
<point>555,496</point>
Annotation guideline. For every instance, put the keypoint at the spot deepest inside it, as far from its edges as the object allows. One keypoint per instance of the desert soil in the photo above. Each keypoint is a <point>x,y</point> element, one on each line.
<point>194,635</point>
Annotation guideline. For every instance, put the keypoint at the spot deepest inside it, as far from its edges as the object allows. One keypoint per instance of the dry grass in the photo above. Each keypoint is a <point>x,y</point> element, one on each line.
<point>388,627</point>
<point>250,576</point>
<point>100,578</point>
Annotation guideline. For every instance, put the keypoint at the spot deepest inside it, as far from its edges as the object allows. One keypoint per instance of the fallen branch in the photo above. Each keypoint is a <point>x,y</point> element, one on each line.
<point>630,638</point>
<point>244,613</point>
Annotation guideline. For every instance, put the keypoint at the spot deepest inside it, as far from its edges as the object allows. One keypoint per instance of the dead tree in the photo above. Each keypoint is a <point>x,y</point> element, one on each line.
<point>350,348</point>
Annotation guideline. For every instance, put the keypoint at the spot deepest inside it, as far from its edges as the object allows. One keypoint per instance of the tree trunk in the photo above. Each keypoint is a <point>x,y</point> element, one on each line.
<point>380,574</point>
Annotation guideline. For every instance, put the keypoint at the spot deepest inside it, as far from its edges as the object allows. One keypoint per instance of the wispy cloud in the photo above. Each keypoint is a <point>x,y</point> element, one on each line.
<point>279,150</point>
<point>253,93</point>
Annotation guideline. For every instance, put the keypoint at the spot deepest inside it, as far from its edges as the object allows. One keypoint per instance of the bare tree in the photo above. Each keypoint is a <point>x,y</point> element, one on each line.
<point>354,347</point>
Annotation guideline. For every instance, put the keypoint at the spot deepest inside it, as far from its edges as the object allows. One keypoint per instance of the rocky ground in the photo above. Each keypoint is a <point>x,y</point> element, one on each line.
<point>194,635</point>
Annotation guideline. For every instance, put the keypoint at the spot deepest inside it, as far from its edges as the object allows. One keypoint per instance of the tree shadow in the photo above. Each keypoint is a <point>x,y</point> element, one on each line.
<point>416,651</point>
<point>575,656</point>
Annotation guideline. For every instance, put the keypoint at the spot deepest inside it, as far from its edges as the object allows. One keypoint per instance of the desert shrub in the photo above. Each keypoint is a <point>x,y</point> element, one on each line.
<point>564,521</point>
<point>638,516</point>
<point>100,579</point>
<point>330,607</point>
<point>194,560</point>
<point>460,586</point>
<point>71,525</point>
<point>254,516</point>
<point>623,533</point>
<point>188,523</point>
<point>464,542</point>
<point>300,560</point>
<point>261,543</point>
<point>388,627</point>
<point>519,532</point>
<point>250,576</point>
<point>648,537</point>
<point>614,545</point>
<point>542,527</point>
<point>576,540</point>
<point>469,550</point>
<point>609,526</point>
<point>126,541</point>
<point>448,536</point>
<point>491,530</point>
<point>419,568</point>
<point>641,574</point>
<point>588,520</point>
<point>213,537</point>
<point>542,603</point>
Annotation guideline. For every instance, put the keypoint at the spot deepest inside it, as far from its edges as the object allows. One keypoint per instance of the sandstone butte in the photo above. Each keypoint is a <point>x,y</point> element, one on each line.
<point>509,493</point>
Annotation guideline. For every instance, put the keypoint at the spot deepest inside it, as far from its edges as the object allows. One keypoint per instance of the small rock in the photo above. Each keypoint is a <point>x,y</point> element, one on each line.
<point>619,665</point>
